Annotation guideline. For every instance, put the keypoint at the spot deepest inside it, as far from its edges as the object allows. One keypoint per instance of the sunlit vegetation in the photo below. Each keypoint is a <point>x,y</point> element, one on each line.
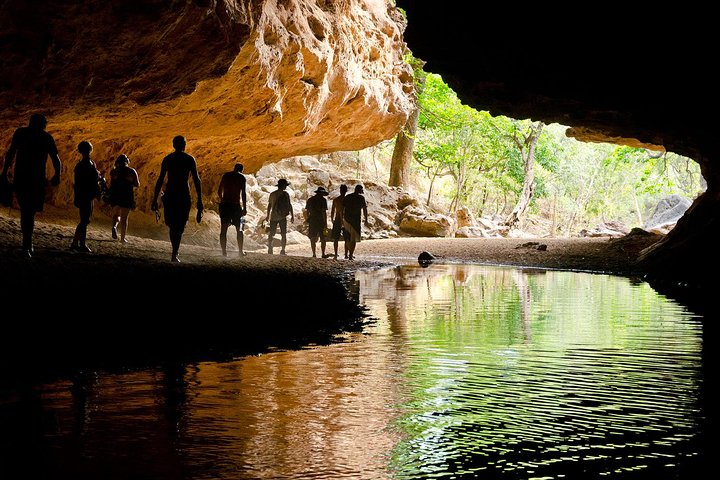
<point>532,176</point>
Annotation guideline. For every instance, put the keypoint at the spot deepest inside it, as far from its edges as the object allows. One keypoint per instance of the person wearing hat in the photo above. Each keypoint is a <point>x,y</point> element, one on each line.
<point>316,207</point>
<point>123,181</point>
<point>353,206</point>
<point>279,207</point>
<point>232,212</point>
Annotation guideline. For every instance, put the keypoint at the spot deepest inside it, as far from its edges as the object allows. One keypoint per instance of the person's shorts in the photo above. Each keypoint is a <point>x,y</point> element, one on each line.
<point>337,230</point>
<point>282,224</point>
<point>316,230</point>
<point>177,211</point>
<point>31,196</point>
<point>231,213</point>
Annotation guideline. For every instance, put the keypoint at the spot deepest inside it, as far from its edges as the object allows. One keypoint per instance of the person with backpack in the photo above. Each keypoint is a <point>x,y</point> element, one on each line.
<point>86,189</point>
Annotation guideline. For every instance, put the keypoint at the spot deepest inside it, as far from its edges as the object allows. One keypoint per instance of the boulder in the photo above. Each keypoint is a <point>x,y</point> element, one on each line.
<point>416,222</point>
<point>465,218</point>
<point>470,232</point>
<point>667,211</point>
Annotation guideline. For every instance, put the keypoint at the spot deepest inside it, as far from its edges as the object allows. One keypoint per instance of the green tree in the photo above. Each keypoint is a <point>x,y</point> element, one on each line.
<point>526,141</point>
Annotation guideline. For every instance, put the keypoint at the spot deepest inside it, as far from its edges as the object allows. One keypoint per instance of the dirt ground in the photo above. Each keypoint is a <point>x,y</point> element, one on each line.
<point>583,254</point>
<point>128,302</point>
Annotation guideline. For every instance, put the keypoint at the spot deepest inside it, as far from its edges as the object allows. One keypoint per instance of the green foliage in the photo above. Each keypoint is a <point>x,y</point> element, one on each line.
<point>473,147</point>
<point>470,158</point>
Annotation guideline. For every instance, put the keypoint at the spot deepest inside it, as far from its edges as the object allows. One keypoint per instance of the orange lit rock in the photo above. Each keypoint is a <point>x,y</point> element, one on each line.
<point>245,81</point>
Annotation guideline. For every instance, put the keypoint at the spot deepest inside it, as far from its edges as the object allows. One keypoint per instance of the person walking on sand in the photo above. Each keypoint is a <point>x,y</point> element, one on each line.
<point>353,205</point>
<point>123,181</point>
<point>86,189</point>
<point>316,207</point>
<point>279,207</point>
<point>178,166</point>
<point>232,212</point>
<point>30,148</point>
<point>336,213</point>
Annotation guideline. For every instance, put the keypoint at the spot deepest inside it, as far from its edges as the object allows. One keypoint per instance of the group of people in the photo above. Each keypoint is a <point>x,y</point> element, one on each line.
<point>29,150</point>
<point>32,145</point>
<point>90,184</point>
<point>346,214</point>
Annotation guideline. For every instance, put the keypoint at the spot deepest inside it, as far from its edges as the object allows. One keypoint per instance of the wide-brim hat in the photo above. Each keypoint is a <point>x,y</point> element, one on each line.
<point>282,183</point>
<point>321,191</point>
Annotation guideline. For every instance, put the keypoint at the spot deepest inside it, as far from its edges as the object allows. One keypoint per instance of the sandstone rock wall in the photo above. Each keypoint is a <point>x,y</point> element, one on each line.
<point>244,80</point>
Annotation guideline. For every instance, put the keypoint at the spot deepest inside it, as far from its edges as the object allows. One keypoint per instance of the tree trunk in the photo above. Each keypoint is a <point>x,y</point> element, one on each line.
<point>404,145</point>
<point>432,182</point>
<point>637,210</point>
<point>403,152</point>
<point>527,150</point>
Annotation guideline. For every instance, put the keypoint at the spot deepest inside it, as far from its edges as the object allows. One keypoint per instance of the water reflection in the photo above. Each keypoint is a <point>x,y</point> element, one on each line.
<point>520,374</point>
<point>466,371</point>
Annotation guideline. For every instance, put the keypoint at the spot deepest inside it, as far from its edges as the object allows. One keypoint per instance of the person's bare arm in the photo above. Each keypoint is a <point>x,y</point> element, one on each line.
<point>221,189</point>
<point>158,185</point>
<point>136,179</point>
<point>364,209</point>
<point>292,214</point>
<point>198,185</point>
<point>243,196</point>
<point>57,165</point>
<point>9,156</point>
<point>332,211</point>
<point>269,207</point>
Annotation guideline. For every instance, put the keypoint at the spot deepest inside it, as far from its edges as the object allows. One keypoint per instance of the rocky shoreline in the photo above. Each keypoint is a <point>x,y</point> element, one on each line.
<point>126,303</point>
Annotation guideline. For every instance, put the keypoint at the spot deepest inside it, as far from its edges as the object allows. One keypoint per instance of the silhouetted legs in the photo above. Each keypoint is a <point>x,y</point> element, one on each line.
<point>350,249</point>
<point>120,216</point>
<point>313,242</point>
<point>80,237</point>
<point>27,226</point>
<point>346,241</point>
<point>240,241</point>
<point>337,233</point>
<point>283,235</point>
<point>176,233</point>
<point>223,238</point>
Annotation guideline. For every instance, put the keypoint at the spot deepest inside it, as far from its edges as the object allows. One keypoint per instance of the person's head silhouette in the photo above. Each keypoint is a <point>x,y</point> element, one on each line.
<point>85,148</point>
<point>238,168</point>
<point>179,143</point>
<point>38,120</point>
<point>343,188</point>
<point>359,189</point>
<point>122,161</point>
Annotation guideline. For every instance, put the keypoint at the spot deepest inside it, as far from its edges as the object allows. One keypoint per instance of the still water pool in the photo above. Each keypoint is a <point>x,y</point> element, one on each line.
<point>463,371</point>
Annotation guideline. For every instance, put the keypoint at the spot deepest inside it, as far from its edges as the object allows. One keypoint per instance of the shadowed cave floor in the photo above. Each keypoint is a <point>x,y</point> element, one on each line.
<point>128,303</point>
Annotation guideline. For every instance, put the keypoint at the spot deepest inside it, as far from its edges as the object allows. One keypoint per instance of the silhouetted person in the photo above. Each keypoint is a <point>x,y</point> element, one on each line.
<point>87,189</point>
<point>178,166</point>
<point>123,181</point>
<point>336,213</point>
<point>232,212</point>
<point>30,148</point>
<point>279,207</point>
<point>353,205</point>
<point>316,207</point>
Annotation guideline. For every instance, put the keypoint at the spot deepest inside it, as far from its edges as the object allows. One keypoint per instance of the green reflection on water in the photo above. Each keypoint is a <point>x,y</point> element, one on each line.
<point>530,373</point>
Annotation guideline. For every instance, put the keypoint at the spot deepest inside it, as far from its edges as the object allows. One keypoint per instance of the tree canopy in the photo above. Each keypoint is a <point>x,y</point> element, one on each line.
<point>471,158</point>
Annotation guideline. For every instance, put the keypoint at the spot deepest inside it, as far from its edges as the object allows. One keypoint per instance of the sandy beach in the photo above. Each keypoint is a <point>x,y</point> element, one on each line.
<point>583,254</point>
